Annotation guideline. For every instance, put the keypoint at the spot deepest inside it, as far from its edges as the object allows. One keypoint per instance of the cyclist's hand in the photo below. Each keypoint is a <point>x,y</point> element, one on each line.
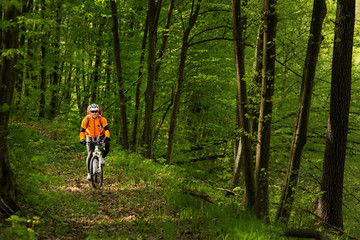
<point>106,139</point>
<point>83,142</point>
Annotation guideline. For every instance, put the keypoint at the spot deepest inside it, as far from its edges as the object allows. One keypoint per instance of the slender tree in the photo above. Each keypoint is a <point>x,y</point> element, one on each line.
<point>165,36</point>
<point>302,121</point>
<point>124,123</point>
<point>266,106</point>
<point>26,8</point>
<point>330,204</point>
<point>138,86</point>
<point>154,7</point>
<point>97,64</point>
<point>242,102</point>
<point>8,73</point>
<point>253,106</point>
<point>55,76</point>
<point>42,71</point>
<point>180,79</point>
<point>255,86</point>
<point>161,55</point>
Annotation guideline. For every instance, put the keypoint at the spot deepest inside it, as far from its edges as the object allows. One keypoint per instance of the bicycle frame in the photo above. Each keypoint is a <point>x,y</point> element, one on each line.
<point>96,150</point>
<point>96,168</point>
<point>97,153</point>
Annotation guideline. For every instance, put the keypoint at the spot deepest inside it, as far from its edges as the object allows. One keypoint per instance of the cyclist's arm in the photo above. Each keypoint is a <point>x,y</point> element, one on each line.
<point>107,132</point>
<point>82,129</point>
<point>106,127</point>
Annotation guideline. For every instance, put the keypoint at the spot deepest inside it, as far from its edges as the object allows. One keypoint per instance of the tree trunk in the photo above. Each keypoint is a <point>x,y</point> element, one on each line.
<point>330,204</point>
<point>161,54</point>
<point>238,163</point>
<point>42,82</point>
<point>19,82</point>
<point>255,88</point>
<point>125,132</point>
<point>242,101</point>
<point>154,7</point>
<point>55,75</point>
<point>7,84</point>
<point>68,86</point>
<point>108,75</point>
<point>42,71</point>
<point>179,81</point>
<point>96,75</point>
<point>158,65</point>
<point>266,105</point>
<point>164,39</point>
<point>302,121</point>
<point>138,86</point>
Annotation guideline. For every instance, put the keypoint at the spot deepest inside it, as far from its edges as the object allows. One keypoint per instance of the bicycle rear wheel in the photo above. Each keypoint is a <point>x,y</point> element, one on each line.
<point>96,172</point>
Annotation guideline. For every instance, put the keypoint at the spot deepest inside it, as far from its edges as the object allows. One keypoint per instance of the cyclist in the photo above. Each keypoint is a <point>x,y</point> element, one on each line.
<point>89,130</point>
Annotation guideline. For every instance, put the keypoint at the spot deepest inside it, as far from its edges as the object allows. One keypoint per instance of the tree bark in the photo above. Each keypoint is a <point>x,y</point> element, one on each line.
<point>255,88</point>
<point>238,164</point>
<point>161,54</point>
<point>165,37</point>
<point>302,121</point>
<point>153,17</point>
<point>124,123</point>
<point>55,75</point>
<point>242,101</point>
<point>68,86</point>
<point>180,80</point>
<point>42,71</point>
<point>19,82</point>
<point>138,86</point>
<point>8,73</point>
<point>97,66</point>
<point>266,106</point>
<point>330,204</point>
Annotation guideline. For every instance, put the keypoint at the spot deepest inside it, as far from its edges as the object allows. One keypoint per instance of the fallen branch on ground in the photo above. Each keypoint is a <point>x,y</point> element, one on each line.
<point>196,193</point>
<point>332,228</point>
<point>306,233</point>
<point>228,191</point>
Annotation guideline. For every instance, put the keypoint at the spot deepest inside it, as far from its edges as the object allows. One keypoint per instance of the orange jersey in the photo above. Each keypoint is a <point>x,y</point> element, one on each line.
<point>91,127</point>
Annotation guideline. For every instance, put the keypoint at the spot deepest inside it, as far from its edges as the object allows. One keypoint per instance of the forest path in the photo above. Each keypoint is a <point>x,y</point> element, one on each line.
<point>125,207</point>
<point>118,208</point>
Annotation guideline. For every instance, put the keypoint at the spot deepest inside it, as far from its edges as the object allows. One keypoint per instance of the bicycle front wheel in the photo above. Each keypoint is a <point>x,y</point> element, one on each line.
<point>96,172</point>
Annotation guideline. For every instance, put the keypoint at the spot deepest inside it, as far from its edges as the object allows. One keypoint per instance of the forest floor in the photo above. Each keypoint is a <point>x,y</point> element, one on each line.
<point>125,207</point>
<point>115,207</point>
<point>140,199</point>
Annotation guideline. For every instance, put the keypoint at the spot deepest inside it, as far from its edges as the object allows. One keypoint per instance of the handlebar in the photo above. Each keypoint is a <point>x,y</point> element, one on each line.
<point>100,142</point>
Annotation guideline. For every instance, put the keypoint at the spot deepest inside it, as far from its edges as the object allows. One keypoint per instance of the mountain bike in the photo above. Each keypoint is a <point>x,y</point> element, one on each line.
<point>96,169</point>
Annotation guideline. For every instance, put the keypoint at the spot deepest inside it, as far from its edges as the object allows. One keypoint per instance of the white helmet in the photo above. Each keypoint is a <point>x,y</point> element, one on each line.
<point>93,107</point>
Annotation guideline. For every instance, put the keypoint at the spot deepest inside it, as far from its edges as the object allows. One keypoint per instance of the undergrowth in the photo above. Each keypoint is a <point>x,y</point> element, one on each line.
<point>141,199</point>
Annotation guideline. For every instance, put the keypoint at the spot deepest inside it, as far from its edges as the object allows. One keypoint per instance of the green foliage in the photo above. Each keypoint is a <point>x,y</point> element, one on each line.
<point>21,228</point>
<point>35,159</point>
<point>4,108</point>
<point>77,33</point>
<point>192,216</point>
<point>147,203</point>
<point>149,189</point>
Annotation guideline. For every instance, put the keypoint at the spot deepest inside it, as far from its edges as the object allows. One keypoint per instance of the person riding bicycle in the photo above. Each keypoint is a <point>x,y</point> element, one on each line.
<point>89,130</point>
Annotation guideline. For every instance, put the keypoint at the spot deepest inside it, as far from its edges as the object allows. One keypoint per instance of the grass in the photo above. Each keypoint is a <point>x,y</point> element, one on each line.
<point>141,199</point>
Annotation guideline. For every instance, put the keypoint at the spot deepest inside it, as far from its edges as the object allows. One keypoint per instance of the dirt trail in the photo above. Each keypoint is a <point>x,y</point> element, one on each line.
<point>125,207</point>
<point>118,206</point>
<point>106,217</point>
